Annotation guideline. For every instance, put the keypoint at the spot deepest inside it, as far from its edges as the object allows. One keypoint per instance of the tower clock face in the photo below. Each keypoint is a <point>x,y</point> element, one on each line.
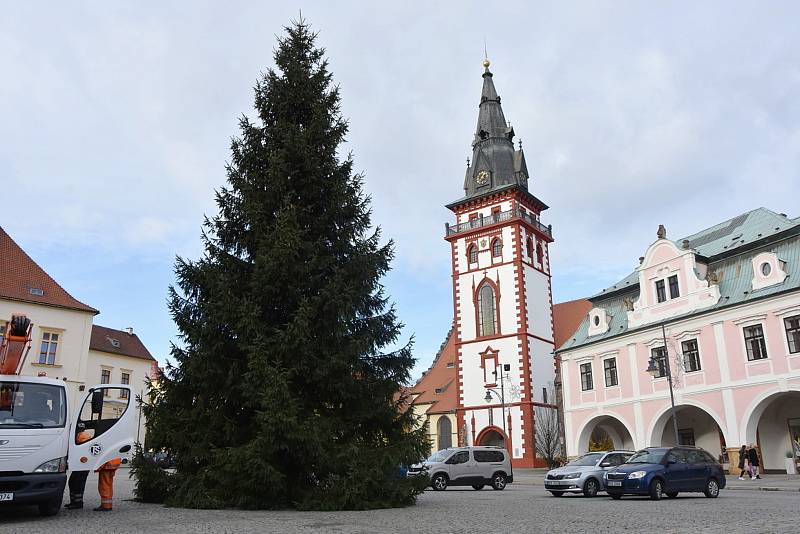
<point>482,178</point>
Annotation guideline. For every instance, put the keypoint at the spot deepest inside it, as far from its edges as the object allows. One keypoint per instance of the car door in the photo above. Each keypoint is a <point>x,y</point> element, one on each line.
<point>104,427</point>
<point>458,468</point>
<point>676,473</point>
<point>699,467</point>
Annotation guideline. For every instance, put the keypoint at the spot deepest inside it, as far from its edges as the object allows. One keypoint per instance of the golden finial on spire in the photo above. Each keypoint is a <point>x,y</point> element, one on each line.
<point>486,61</point>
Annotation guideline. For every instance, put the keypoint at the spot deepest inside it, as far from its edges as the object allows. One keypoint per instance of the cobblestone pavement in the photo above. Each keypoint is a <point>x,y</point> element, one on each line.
<point>520,508</point>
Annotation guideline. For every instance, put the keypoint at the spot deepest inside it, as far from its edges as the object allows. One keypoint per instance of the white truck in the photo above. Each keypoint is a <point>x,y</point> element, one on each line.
<point>39,428</point>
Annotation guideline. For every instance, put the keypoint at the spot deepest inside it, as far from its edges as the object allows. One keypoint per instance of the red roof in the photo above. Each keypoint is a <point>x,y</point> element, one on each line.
<point>22,279</point>
<point>118,342</point>
<point>438,385</point>
<point>567,317</point>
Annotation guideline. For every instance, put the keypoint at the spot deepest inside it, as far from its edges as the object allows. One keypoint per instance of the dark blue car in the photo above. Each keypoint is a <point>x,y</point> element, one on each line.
<point>659,471</point>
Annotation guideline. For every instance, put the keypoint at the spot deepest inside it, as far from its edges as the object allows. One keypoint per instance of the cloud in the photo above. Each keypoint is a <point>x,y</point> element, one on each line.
<point>117,122</point>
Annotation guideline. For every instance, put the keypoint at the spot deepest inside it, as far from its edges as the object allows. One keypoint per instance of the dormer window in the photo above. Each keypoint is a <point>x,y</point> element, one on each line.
<point>674,291</point>
<point>661,292</point>
<point>768,270</point>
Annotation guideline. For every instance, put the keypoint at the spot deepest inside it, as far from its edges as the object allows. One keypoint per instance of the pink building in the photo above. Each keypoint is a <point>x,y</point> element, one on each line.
<point>729,299</point>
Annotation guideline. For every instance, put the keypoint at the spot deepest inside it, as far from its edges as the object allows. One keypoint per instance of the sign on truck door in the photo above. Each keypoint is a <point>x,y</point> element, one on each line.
<point>108,417</point>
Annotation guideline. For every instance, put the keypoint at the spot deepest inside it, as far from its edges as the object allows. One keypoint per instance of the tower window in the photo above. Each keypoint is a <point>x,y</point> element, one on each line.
<point>497,248</point>
<point>472,252</point>
<point>529,248</point>
<point>539,254</point>
<point>487,312</point>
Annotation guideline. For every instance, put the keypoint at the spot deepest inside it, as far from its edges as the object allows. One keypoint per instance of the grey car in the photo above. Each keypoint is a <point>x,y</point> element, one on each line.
<point>584,474</point>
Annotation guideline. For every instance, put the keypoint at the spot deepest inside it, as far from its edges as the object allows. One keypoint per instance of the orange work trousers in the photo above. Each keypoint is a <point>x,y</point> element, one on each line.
<point>105,485</point>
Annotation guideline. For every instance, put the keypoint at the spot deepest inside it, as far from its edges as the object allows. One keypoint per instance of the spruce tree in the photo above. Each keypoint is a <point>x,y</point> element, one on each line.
<point>283,392</point>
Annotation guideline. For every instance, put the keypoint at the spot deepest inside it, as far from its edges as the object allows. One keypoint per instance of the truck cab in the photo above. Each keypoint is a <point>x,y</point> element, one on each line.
<point>39,431</point>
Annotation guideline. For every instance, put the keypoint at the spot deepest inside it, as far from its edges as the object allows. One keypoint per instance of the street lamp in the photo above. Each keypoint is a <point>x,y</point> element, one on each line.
<point>654,369</point>
<point>501,397</point>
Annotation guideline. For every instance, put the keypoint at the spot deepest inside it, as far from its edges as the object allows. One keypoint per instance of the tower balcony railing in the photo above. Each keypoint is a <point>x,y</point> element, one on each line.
<point>480,222</point>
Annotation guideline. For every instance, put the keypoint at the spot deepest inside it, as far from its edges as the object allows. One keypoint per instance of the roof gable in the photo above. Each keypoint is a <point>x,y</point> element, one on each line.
<point>22,279</point>
<point>118,342</point>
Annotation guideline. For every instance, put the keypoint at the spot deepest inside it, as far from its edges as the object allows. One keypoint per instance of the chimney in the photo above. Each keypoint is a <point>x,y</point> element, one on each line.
<point>129,330</point>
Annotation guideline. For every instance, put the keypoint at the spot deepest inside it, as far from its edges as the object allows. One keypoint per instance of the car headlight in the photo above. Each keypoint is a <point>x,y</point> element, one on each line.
<point>56,465</point>
<point>573,475</point>
<point>637,474</point>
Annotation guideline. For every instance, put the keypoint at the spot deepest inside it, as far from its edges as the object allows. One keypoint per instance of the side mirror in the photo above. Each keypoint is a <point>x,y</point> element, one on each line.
<point>97,401</point>
<point>672,461</point>
<point>605,464</point>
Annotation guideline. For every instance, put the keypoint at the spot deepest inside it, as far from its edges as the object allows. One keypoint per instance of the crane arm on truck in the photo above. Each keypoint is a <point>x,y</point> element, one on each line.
<point>15,345</point>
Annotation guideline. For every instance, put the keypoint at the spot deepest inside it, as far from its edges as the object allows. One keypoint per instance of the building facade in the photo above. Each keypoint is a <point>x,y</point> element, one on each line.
<point>433,397</point>
<point>503,325</point>
<point>65,343</point>
<point>722,309</point>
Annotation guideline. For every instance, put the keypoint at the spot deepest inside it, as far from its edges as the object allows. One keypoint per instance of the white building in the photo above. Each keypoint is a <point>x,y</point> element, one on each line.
<point>65,343</point>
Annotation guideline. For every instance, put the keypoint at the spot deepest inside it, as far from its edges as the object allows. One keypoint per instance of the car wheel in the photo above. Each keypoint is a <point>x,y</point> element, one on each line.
<point>477,487</point>
<point>499,482</point>
<point>712,488</point>
<point>671,494</point>
<point>50,507</point>
<point>616,496</point>
<point>439,482</point>
<point>557,493</point>
<point>656,489</point>
<point>590,488</point>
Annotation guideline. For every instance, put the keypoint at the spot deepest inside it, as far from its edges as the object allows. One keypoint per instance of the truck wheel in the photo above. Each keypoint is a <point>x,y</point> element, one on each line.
<point>49,508</point>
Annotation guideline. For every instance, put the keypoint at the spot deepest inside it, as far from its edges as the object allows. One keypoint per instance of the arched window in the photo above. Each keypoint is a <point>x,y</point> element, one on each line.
<point>472,252</point>
<point>540,254</point>
<point>497,248</point>
<point>529,248</point>
<point>487,316</point>
<point>444,432</point>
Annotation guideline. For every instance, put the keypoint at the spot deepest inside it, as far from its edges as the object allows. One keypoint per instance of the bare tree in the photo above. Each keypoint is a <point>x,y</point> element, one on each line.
<point>548,434</point>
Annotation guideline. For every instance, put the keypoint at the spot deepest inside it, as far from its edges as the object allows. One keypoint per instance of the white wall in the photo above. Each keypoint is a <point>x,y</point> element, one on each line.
<point>74,329</point>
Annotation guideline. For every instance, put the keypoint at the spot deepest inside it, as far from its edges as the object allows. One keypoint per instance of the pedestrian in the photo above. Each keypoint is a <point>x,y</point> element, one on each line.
<point>105,484</point>
<point>742,461</point>
<point>77,479</point>
<point>752,457</point>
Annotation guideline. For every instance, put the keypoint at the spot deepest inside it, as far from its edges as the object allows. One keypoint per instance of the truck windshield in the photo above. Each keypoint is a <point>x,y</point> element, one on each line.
<point>31,405</point>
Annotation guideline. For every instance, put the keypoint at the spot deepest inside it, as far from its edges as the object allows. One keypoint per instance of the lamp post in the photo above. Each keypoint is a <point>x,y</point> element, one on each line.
<point>654,370</point>
<point>501,397</point>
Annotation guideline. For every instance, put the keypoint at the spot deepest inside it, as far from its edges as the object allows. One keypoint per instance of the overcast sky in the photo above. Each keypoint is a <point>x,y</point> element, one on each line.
<point>115,122</point>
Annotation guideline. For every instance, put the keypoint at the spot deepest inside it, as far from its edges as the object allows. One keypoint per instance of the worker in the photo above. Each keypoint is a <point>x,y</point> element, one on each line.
<point>77,479</point>
<point>105,484</point>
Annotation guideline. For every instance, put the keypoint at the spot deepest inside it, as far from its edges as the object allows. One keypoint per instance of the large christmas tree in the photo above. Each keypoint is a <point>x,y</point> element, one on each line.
<point>282,393</point>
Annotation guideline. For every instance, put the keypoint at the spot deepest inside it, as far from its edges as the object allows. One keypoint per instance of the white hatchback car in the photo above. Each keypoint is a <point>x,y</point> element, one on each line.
<point>467,466</point>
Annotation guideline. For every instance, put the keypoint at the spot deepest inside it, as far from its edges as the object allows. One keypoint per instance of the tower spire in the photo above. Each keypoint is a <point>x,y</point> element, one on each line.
<point>495,163</point>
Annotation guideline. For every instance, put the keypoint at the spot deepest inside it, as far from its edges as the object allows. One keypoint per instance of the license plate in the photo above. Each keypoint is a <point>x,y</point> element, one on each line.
<point>6,496</point>
<point>615,483</point>
<point>555,482</point>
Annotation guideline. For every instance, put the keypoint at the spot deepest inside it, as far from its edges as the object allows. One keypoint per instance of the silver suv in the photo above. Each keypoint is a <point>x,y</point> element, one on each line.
<point>467,466</point>
<point>584,474</point>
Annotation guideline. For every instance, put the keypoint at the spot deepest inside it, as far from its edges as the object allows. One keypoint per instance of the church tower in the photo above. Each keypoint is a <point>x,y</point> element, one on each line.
<point>501,292</point>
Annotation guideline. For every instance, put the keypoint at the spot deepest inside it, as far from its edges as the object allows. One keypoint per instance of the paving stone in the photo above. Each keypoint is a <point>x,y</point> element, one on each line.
<point>520,508</point>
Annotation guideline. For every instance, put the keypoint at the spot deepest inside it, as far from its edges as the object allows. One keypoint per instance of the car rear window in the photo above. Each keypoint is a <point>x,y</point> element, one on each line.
<point>488,456</point>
